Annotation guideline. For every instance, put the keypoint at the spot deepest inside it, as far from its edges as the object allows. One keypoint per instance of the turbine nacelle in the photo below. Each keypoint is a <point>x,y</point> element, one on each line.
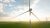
<point>30,9</point>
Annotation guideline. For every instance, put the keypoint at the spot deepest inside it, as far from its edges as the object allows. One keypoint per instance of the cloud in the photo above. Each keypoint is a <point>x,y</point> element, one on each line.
<point>1,7</point>
<point>4,12</point>
<point>6,1</point>
<point>1,0</point>
<point>3,15</point>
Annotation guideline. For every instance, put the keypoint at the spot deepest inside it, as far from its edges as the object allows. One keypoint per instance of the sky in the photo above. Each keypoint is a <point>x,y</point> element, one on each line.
<point>10,9</point>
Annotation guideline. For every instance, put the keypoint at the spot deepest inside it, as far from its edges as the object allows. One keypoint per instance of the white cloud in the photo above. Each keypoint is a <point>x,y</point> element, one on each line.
<point>1,0</point>
<point>1,7</point>
<point>6,1</point>
<point>34,3</point>
<point>13,1</point>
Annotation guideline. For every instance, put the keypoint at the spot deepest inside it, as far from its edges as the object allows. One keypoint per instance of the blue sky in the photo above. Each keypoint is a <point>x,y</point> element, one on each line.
<point>10,6</point>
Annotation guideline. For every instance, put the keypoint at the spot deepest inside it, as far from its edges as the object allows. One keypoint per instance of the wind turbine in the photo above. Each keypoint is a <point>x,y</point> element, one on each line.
<point>30,12</point>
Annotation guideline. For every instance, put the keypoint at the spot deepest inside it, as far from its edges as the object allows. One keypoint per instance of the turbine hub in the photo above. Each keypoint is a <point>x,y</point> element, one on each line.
<point>30,9</point>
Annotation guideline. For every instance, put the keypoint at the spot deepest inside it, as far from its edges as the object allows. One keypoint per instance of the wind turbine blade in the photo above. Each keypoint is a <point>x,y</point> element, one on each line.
<point>35,16</point>
<point>22,13</point>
